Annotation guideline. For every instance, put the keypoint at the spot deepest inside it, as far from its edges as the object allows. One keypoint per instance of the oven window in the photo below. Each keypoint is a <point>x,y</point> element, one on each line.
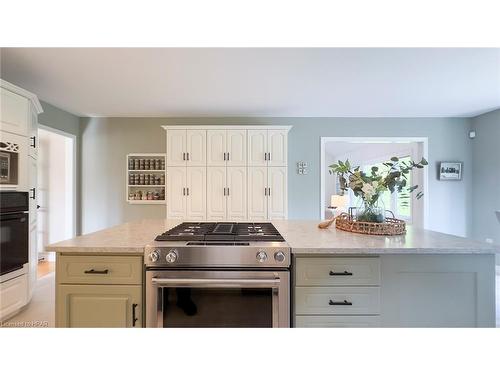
<point>218,307</point>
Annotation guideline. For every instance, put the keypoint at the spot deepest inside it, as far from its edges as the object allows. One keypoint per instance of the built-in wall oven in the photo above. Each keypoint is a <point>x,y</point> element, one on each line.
<point>218,279</point>
<point>14,227</point>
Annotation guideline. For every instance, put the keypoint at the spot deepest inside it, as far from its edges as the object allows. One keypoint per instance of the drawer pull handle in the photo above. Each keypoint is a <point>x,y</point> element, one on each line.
<point>93,271</point>
<point>345,273</point>
<point>343,303</point>
<point>134,318</point>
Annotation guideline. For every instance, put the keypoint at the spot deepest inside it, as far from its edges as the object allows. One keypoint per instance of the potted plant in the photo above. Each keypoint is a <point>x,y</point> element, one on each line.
<point>370,186</point>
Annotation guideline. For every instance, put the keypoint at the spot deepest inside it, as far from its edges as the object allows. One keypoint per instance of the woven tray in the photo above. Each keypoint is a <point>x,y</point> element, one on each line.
<point>391,227</point>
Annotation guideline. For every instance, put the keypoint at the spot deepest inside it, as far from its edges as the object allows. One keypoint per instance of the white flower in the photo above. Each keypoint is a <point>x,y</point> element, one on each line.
<point>369,190</point>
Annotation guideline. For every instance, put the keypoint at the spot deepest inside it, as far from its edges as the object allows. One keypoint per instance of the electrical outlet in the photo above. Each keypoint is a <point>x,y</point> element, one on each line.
<point>301,167</point>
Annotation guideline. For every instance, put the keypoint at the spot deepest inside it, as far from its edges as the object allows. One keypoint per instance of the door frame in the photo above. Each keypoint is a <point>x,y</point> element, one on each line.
<point>425,150</point>
<point>75,146</point>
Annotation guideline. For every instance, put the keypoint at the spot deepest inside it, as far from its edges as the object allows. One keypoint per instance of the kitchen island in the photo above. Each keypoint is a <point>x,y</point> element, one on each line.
<point>339,279</point>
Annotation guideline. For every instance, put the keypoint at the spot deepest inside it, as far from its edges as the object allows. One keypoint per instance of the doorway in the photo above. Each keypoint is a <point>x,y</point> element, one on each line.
<point>373,151</point>
<point>56,220</point>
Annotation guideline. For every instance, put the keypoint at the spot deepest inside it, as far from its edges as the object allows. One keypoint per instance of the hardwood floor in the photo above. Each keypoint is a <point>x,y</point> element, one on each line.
<point>45,267</point>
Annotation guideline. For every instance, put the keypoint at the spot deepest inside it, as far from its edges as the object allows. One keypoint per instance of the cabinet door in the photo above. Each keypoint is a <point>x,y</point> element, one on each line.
<point>196,207</point>
<point>196,148</point>
<point>277,193</point>
<point>33,134</point>
<point>237,148</point>
<point>176,192</point>
<point>13,295</point>
<point>14,113</point>
<point>33,192</point>
<point>257,198</point>
<point>176,148</point>
<point>277,147</point>
<point>257,147</point>
<point>216,198</point>
<point>216,147</point>
<point>33,260</point>
<point>99,306</point>
<point>236,193</point>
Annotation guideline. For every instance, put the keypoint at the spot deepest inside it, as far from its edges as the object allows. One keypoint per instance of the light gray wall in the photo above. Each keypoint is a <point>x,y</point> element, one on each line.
<point>486,176</point>
<point>106,141</point>
<point>59,119</point>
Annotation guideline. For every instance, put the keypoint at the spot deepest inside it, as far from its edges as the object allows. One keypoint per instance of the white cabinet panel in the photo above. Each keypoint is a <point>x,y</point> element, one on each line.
<point>237,148</point>
<point>216,199</point>
<point>337,321</point>
<point>176,190</point>
<point>236,193</point>
<point>33,260</point>
<point>196,148</point>
<point>33,134</point>
<point>216,147</point>
<point>277,193</point>
<point>13,295</point>
<point>33,189</point>
<point>14,113</point>
<point>176,148</point>
<point>277,148</point>
<point>257,147</point>
<point>257,198</point>
<point>196,193</point>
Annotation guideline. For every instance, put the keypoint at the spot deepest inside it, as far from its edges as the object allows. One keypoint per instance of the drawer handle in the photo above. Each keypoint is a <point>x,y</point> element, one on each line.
<point>134,318</point>
<point>345,273</point>
<point>93,271</point>
<point>343,303</point>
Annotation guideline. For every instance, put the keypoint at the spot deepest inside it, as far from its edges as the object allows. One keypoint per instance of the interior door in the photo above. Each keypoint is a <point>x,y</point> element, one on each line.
<point>277,193</point>
<point>257,147</point>
<point>216,197</point>
<point>277,148</point>
<point>176,192</point>
<point>257,197</point>
<point>176,148</point>
<point>196,204</point>
<point>196,148</point>
<point>236,193</point>
<point>237,148</point>
<point>216,147</point>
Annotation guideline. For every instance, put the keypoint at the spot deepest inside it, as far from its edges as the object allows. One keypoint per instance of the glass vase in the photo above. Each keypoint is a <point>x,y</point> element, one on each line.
<point>371,213</point>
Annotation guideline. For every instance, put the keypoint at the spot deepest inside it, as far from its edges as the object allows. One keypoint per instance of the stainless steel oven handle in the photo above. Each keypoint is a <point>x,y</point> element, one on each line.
<point>216,283</point>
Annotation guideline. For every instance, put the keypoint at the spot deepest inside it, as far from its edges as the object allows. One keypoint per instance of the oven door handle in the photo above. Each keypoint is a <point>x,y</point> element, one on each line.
<point>215,283</point>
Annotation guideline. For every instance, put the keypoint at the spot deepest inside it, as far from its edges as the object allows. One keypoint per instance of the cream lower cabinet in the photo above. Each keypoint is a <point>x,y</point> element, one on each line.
<point>186,189</point>
<point>226,193</point>
<point>99,290</point>
<point>267,193</point>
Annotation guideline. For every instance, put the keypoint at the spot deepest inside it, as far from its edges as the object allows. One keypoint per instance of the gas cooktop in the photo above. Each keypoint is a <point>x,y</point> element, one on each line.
<point>223,231</point>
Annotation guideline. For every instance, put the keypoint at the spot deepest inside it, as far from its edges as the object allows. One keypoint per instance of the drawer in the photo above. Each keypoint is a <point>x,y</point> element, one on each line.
<point>347,321</point>
<point>337,271</point>
<point>337,300</point>
<point>99,269</point>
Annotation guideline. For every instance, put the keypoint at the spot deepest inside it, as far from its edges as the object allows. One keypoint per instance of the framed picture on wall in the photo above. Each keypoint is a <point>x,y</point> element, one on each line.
<point>450,170</point>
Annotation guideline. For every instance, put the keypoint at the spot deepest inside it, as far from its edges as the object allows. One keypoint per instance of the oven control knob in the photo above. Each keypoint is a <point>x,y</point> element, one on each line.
<point>279,256</point>
<point>172,256</point>
<point>261,256</point>
<point>154,256</point>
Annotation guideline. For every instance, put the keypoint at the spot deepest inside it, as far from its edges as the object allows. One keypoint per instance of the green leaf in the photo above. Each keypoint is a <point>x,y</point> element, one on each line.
<point>424,162</point>
<point>395,159</point>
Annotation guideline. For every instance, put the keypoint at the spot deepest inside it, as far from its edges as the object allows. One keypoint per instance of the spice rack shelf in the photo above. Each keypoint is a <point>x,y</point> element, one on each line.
<point>142,169</point>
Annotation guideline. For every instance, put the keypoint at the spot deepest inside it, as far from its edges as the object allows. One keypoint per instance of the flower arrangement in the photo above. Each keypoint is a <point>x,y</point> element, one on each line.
<point>370,186</point>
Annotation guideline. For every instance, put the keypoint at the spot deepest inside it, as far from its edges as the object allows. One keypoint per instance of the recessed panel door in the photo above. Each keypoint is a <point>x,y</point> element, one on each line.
<point>236,148</point>
<point>216,148</point>
<point>257,147</point>
<point>236,193</point>
<point>196,148</point>
<point>277,193</point>
<point>216,193</point>
<point>176,192</point>
<point>196,206</point>
<point>176,148</point>
<point>257,196</point>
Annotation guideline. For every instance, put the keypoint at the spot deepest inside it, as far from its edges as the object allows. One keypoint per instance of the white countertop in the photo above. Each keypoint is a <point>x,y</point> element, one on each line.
<point>303,236</point>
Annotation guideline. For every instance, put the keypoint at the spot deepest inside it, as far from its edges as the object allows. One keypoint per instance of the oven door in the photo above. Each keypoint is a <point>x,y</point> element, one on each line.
<point>217,299</point>
<point>13,242</point>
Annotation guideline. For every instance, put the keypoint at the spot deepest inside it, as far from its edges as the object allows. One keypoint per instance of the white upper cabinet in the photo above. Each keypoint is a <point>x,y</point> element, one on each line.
<point>257,147</point>
<point>196,206</point>
<point>176,148</point>
<point>176,192</point>
<point>216,148</point>
<point>216,193</point>
<point>236,193</point>
<point>236,147</point>
<point>15,110</point>
<point>277,193</point>
<point>257,193</point>
<point>277,148</point>
<point>196,148</point>
<point>33,133</point>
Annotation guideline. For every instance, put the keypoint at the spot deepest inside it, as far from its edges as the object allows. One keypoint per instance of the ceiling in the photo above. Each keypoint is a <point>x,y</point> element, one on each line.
<point>295,82</point>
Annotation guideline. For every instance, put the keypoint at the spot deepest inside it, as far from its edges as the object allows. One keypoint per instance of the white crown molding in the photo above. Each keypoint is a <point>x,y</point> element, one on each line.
<point>216,127</point>
<point>20,91</point>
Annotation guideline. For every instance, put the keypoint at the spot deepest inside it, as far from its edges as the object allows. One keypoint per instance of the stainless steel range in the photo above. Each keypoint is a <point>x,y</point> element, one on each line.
<point>218,275</point>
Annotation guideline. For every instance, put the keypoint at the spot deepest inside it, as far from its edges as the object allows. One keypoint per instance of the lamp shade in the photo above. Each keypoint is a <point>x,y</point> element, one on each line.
<point>338,201</point>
